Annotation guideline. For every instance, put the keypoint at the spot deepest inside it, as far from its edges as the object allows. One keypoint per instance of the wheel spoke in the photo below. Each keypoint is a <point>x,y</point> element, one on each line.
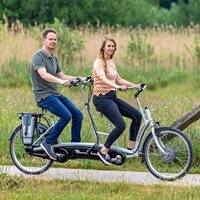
<point>23,160</point>
<point>179,154</point>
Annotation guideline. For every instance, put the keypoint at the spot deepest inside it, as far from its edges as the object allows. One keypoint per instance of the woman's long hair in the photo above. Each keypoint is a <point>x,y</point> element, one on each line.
<point>101,51</point>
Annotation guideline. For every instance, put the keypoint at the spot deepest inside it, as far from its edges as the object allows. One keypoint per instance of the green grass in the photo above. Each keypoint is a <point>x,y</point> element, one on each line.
<point>16,74</point>
<point>13,188</point>
<point>167,104</point>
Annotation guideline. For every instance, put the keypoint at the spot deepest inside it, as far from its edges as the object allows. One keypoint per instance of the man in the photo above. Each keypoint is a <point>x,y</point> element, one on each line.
<point>45,75</point>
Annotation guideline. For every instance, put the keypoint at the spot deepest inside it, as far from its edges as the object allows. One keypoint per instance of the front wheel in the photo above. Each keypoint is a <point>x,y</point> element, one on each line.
<point>178,156</point>
<point>23,160</point>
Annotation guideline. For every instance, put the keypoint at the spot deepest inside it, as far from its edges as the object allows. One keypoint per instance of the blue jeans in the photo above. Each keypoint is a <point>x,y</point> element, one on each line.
<point>63,108</point>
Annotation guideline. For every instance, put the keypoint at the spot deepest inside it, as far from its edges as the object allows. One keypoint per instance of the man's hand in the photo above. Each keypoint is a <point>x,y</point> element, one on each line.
<point>65,83</point>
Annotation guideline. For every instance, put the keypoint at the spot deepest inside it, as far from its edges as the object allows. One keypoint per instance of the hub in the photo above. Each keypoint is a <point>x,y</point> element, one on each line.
<point>170,154</point>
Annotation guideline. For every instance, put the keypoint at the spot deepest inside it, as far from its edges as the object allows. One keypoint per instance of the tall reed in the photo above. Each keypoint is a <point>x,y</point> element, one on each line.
<point>167,48</point>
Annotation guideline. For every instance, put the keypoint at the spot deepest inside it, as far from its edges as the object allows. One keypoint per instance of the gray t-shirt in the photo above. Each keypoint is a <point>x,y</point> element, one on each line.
<point>42,88</point>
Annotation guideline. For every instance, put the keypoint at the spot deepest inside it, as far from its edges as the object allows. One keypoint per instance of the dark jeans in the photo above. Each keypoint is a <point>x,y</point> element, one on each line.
<point>62,107</point>
<point>114,108</point>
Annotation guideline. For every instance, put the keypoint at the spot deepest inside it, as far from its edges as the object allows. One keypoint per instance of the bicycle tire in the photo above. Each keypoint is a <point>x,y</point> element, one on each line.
<point>179,158</point>
<point>24,161</point>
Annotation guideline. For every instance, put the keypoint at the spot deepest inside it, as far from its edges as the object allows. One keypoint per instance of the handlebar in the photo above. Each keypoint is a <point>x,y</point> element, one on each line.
<point>77,81</point>
<point>142,87</point>
<point>89,80</point>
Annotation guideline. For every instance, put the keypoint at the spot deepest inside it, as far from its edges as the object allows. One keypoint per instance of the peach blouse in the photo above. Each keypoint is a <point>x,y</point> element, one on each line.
<point>110,72</point>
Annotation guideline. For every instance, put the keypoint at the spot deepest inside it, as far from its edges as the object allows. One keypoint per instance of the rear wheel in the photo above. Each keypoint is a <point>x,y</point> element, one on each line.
<point>22,159</point>
<point>178,158</point>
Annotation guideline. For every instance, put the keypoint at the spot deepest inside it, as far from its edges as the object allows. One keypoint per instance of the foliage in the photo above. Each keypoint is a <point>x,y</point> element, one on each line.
<point>13,188</point>
<point>166,103</point>
<point>127,13</point>
<point>197,48</point>
<point>156,77</point>
<point>196,78</point>
<point>15,73</point>
<point>147,53</point>
<point>70,42</point>
<point>138,50</point>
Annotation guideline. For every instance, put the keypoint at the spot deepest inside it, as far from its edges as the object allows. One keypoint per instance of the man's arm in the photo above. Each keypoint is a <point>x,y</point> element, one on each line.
<point>63,76</point>
<point>70,78</point>
<point>53,79</point>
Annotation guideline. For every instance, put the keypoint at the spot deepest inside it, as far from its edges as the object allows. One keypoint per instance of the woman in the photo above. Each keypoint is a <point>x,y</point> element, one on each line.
<point>106,82</point>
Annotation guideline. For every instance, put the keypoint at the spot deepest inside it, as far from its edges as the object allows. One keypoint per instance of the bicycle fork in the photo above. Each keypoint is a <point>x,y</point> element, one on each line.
<point>148,119</point>
<point>152,125</point>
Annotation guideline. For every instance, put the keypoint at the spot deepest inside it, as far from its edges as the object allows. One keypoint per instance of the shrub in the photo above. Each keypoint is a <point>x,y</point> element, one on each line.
<point>70,40</point>
<point>15,73</point>
<point>197,48</point>
<point>138,50</point>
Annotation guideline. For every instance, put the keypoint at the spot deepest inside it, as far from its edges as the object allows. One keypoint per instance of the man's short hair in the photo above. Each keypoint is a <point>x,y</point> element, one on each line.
<point>44,35</point>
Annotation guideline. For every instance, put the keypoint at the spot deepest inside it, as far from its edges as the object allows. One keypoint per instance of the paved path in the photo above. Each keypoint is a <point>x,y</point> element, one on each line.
<point>103,176</point>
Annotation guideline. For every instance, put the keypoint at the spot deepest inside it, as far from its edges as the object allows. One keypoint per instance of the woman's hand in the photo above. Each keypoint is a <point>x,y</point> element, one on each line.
<point>83,79</point>
<point>138,86</point>
<point>123,87</point>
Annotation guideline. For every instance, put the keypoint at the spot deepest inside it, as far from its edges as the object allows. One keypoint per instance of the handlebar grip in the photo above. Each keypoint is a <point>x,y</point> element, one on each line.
<point>89,79</point>
<point>142,85</point>
<point>75,82</point>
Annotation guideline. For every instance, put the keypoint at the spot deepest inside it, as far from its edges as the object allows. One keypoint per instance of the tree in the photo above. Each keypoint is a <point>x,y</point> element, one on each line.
<point>167,3</point>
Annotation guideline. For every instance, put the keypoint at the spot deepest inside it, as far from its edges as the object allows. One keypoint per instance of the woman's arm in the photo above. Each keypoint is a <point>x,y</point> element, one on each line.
<point>122,81</point>
<point>108,82</point>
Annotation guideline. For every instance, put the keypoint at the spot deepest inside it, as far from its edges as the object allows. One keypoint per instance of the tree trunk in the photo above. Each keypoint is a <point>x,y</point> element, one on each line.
<point>187,119</point>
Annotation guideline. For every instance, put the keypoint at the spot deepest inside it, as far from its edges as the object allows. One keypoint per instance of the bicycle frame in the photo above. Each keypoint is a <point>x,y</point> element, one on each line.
<point>166,160</point>
<point>148,122</point>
